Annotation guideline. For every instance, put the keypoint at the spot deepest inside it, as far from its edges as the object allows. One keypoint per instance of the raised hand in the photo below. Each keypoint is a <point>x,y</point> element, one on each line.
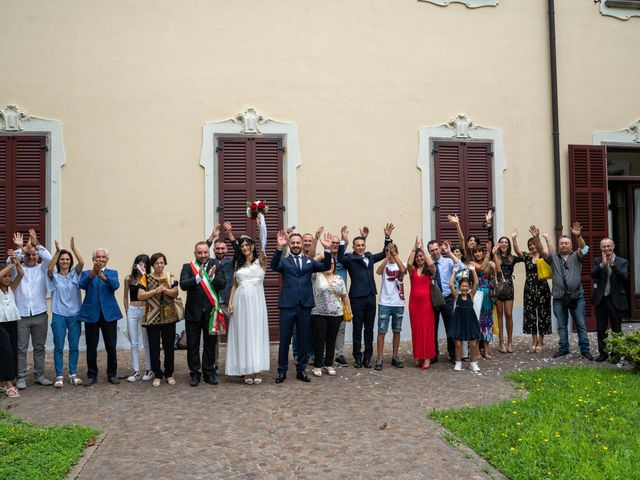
<point>545,236</point>
<point>446,247</point>
<point>364,232</point>
<point>326,240</point>
<point>388,229</point>
<point>212,270</point>
<point>514,233</point>
<point>456,268</point>
<point>487,245</point>
<point>453,218</point>
<point>471,267</point>
<point>33,237</point>
<point>319,233</point>
<point>72,243</point>
<point>57,246</point>
<point>344,233</point>
<point>12,255</point>
<point>392,249</point>
<point>421,245</point>
<point>282,238</point>
<point>216,232</point>
<point>535,231</point>
<point>488,217</point>
<point>18,239</point>
<point>576,229</point>
<point>495,249</point>
<point>227,227</point>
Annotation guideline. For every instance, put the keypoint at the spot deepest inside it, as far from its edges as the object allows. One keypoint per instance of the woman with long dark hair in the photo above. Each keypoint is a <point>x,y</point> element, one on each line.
<point>135,312</point>
<point>421,271</point>
<point>248,332</point>
<point>505,263</point>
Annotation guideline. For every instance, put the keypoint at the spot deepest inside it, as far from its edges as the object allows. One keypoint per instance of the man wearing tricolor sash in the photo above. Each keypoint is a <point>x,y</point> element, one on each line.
<point>203,314</point>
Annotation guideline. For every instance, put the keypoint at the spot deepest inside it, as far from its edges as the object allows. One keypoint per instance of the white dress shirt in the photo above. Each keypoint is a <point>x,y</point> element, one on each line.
<point>31,294</point>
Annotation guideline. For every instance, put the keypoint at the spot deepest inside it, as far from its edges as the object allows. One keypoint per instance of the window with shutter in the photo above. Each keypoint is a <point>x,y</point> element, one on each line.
<point>251,169</point>
<point>22,187</point>
<point>589,206</point>
<point>463,185</point>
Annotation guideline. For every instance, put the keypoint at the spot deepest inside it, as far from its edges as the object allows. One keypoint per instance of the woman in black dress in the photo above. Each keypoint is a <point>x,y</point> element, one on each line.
<point>505,262</point>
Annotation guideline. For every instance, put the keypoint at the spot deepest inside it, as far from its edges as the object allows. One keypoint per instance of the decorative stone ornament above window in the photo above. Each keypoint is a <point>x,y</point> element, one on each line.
<point>11,118</point>
<point>468,3</point>
<point>622,9</point>
<point>629,135</point>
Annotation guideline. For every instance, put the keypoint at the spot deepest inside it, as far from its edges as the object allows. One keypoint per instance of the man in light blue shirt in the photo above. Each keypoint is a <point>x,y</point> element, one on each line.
<point>444,268</point>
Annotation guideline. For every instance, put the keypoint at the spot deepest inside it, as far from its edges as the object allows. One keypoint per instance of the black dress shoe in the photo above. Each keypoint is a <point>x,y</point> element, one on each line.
<point>560,353</point>
<point>602,357</point>
<point>434,359</point>
<point>302,376</point>
<point>114,380</point>
<point>281,377</point>
<point>90,382</point>
<point>357,364</point>
<point>587,355</point>
<point>211,379</point>
<point>366,363</point>
<point>195,380</point>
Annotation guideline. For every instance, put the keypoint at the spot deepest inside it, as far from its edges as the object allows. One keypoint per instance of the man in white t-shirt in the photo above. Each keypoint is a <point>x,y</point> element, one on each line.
<point>390,304</point>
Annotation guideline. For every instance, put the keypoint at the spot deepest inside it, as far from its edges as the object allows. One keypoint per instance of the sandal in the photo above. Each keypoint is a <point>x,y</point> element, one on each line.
<point>12,392</point>
<point>74,380</point>
<point>156,382</point>
<point>317,372</point>
<point>509,348</point>
<point>257,381</point>
<point>171,380</point>
<point>59,383</point>
<point>487,356</point>
<point>330,370</point>
<point>248,381</point>
<point>501,349</point>
<point>538,349</point>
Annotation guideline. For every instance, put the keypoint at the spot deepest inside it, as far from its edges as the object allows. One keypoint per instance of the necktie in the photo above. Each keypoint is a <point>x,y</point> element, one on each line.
<point>438,279</point>
<point>298,263</point>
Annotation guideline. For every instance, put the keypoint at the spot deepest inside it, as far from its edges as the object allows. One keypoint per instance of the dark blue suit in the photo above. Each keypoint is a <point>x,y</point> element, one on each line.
<point>296,302</point>
<point>100,312</point>
<point>363,297</point>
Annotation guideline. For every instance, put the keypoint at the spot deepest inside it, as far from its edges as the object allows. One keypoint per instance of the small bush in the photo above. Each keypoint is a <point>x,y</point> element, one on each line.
<point>625,345</point>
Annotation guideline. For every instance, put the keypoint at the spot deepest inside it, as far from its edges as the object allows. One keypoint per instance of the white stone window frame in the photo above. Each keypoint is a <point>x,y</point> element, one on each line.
<point>463,130</point>
<point>617,9</point>
<point>467,3</point>
<point>16,122</point>
<point>249,123</point>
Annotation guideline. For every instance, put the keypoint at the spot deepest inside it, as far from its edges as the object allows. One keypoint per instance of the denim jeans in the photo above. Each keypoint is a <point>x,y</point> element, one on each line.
<point>577,314</point>
<point>60,326</point>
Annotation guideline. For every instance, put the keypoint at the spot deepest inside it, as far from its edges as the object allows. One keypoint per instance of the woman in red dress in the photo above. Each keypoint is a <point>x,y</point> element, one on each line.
<point>421,269</point>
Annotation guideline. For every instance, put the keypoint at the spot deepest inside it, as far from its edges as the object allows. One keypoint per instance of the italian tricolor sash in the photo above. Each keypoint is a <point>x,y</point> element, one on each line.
<point>217,323</point>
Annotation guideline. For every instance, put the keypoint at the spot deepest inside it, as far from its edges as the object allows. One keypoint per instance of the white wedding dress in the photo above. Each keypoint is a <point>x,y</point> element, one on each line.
<point>248,332</point>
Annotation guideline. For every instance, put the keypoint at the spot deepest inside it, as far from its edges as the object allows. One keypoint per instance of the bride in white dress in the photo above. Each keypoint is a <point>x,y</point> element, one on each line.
<point>248,332</point>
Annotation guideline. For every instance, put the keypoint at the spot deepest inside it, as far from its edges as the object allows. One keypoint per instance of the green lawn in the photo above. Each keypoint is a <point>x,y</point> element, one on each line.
<point>574,423</point>
<point>29,451</point>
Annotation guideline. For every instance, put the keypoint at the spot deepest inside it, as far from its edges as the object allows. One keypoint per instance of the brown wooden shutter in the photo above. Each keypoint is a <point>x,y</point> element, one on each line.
<point>251,169</point>
<point>6,210</point>
<point>22,188</point>
<point>463,185</point>
<point>590,207</point>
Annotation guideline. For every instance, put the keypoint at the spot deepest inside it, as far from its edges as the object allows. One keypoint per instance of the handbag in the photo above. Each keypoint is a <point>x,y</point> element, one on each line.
<point>502,289</point>
<point>172,308</point>
<point>437,298</point>
<point>347,314</point>
<point>544,269</point>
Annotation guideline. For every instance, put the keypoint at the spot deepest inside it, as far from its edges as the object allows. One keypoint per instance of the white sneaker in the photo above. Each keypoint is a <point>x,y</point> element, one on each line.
<point>135,377</point>
<point>457,367</point>
<point>148,376</point>
<point>474,366</point>
<point>21,384</point>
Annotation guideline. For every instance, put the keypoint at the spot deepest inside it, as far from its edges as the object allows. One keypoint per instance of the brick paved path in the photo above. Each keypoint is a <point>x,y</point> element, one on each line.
<point>359,424</point>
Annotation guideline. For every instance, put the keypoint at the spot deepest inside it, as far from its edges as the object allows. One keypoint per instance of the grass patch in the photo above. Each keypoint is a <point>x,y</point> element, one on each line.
<point>30,451</point>
<point>575,423</point>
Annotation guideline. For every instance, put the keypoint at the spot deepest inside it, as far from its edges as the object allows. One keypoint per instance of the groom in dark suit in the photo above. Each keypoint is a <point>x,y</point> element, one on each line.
<point>610,273</point>
<point>363,290</point>
<point>296,299</point>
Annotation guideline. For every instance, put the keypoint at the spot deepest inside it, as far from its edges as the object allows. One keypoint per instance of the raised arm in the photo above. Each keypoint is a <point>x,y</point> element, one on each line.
<point>380,269</point>
<point>215,233</point>
<point>314,243</point>
<point>576,231</point>
<point>514,241</point>
<point>488,218</point>
<point>412,255</point>
<point>388,230</point>
<point>79,259</point>
<point>497,258</point>
<point>393,248</point>
<point>19,271</point>
<point>277,256</point>
<point>474,289</point>
<point>452,282</point>
<point>550,246</point>
<point>54,260</point>
<point>454,219</point>
<point>326,262</point>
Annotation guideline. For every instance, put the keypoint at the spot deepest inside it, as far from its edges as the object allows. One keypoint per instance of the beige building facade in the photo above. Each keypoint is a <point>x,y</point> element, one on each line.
<point>134,100</point>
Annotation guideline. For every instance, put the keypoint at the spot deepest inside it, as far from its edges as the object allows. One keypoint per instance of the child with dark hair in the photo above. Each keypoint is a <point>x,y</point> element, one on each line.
<point>465,326</point>
<point>135,312</point>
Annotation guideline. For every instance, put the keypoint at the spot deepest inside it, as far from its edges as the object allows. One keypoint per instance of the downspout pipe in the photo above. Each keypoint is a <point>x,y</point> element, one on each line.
<point>554,119</point>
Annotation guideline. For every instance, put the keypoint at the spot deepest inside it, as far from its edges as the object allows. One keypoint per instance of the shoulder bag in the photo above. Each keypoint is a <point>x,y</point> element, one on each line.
<point>437,298</point>
<point>347,314</point>
<point>502,289</point>
<point>544,269</point>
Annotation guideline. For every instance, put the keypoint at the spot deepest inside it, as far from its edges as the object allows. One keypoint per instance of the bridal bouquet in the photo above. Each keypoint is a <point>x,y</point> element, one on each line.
<point>254,208</point>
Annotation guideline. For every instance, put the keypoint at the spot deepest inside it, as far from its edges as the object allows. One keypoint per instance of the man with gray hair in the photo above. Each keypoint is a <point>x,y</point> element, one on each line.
<point>100,311</point>
<point>31,299</point>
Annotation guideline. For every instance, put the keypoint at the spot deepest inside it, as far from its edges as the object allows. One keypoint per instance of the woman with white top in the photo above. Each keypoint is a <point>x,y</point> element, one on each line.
<point>9,316</point>
<point>65,305</point>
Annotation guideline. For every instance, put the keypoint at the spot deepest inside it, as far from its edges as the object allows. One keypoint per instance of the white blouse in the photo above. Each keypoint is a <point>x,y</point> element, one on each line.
<point>8,309</point>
